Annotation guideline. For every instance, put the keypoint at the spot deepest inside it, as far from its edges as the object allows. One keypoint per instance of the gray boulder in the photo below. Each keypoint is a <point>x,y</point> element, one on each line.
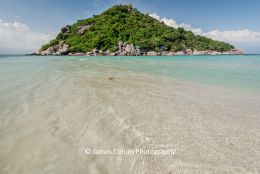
<point>107,52</point>
<point>188,51</point>
<point>95,51</point>
<point>170,54</point>
<point>196,52</point>
<point>78,54</point>
<point>49,51</point>
<point>164,53</point>
<point>63,49</point>
<point>123,53</point>
<point>152,53</point>
<point>215,53</point>
<point>88,53</point>
<point>83,29</point>
<point>138,51</point>
<point>179,53</point>
<point>233,52</point>
<point>60,49</point>
<point>120,46</point>
<point>130,50</point>
<point>66,29</point>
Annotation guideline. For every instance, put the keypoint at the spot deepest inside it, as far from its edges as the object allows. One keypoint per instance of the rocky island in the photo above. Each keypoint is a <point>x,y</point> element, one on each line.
<point>124,31</point>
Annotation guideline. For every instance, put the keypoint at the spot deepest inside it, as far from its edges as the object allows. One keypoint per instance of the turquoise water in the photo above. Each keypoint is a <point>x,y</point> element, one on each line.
<point>241,72</point>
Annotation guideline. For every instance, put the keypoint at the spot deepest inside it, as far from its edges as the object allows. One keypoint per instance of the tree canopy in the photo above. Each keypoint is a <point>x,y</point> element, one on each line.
<point>125,23</point>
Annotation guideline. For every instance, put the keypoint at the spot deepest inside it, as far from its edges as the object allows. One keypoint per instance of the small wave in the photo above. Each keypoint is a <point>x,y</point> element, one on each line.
<point>159,95</point>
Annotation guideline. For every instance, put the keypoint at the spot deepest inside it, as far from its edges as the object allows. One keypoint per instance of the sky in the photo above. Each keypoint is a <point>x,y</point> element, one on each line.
<point>26,25</point>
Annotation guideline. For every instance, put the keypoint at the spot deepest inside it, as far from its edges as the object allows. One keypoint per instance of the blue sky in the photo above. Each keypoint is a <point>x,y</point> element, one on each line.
<point>235,21</point>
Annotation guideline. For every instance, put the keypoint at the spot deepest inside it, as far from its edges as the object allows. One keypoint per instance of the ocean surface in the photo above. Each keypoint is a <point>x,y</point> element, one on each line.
<point>230,71</point>
<point>54,110</point>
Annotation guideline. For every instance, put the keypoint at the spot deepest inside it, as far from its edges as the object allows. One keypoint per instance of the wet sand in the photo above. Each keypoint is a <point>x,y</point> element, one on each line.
<point>49,125</point>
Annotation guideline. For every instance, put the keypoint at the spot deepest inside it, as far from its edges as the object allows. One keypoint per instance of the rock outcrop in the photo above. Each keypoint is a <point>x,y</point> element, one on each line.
<point>234,52</point>
<point>152,53</point>
<point>188,51</point>
<point>179,53</point>
<point>130,49</point>
<point>126,49</point>
<point>60,49</point>
<point>209,52</point>
<point>49,51</point>
<point>66,29</point>
<point>83,29</point>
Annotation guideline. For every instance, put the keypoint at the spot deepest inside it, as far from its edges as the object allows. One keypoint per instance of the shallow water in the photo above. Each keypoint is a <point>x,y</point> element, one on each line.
<point>54,108</point>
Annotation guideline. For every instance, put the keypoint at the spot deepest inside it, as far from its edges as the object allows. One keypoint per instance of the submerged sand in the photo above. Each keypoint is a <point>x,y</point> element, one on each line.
<point>51,124</point>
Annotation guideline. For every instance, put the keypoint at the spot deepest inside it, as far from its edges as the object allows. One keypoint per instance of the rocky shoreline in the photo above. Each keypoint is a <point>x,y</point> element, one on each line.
<point>125,49</point>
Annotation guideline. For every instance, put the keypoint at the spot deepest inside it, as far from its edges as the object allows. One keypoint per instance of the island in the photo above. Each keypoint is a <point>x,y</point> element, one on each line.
<point>124,31</point>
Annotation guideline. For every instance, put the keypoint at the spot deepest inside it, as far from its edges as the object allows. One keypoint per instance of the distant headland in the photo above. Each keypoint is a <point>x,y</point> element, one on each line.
<point>124,31</point>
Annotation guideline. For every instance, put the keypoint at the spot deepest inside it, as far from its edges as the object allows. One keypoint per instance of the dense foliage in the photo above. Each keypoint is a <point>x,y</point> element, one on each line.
<point>127,24</point>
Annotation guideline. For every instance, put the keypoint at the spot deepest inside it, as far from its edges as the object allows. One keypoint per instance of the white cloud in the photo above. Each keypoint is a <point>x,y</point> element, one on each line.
<point>155,16</point>
<point>19,37</point>
<point>174,24</point>
<point>236,37</point>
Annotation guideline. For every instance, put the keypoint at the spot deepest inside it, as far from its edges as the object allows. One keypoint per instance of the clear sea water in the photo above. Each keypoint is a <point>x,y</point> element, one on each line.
<point>53,109</point>
<point>241,72</point>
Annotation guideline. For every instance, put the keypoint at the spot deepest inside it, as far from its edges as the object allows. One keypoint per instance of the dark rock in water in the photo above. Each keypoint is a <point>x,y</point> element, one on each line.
<point>111,78</point>
<point>33,54</point>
